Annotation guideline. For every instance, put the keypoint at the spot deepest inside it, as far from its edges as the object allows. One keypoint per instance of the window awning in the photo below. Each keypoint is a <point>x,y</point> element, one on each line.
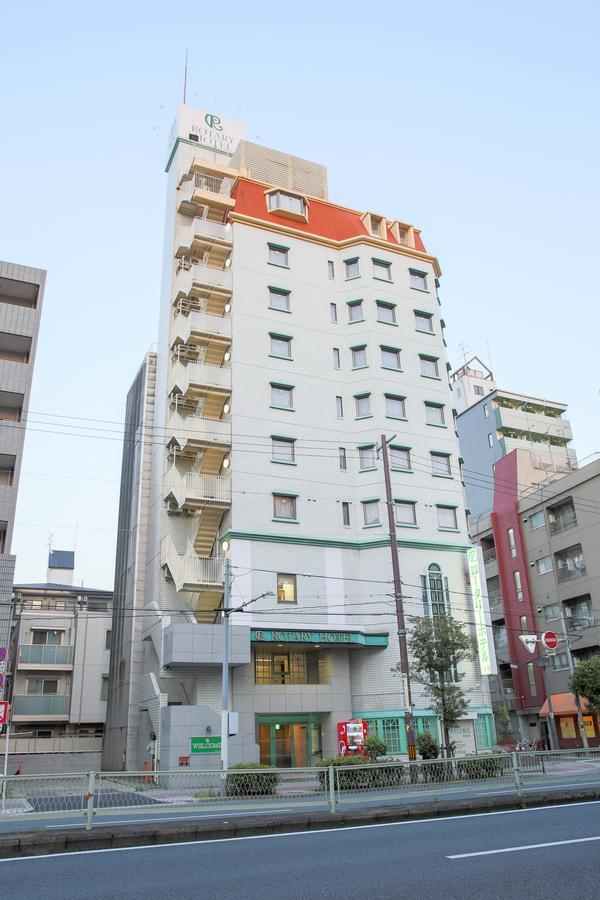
<point>563,705</point>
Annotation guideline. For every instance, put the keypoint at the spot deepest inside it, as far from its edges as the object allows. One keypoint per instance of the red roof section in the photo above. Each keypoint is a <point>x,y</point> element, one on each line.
<point>324,219</point>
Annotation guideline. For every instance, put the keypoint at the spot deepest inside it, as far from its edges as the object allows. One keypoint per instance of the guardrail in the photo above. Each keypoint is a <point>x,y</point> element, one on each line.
<point>326,786</point>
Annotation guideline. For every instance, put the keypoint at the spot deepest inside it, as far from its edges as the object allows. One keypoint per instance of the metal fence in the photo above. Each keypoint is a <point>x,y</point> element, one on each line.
<point>348,782</point>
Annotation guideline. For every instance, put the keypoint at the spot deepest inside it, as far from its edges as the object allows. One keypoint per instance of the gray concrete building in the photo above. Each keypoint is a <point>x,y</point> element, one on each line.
<point>21,297</point>
<point>60,657</point>
<point>492,422</point>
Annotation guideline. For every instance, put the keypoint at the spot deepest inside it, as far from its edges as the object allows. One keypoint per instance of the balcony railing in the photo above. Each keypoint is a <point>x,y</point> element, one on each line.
<point>197,488</point>
<point>199,429</point>
<point>566,573</point>
<point>190,275</point>
<point>489,555</point>
<point>205,230</point>
<point>46,654</point>
<point>41,704</point>
<point>210,184</point>
<point>189,571</point>
<point>199,375</point>
<point>201,323</point>
<point>563,522</point>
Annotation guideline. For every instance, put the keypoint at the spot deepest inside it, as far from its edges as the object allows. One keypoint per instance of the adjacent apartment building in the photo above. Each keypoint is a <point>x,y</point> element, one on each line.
<point>542,573</point>
<point>21,297</point>
<point>60,657</point>
<point>294,333</point>
<point>493,422</point>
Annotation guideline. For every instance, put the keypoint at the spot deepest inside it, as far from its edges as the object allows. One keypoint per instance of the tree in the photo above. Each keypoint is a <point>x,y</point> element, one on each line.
<point>436,647</point>
<point>585,681</point>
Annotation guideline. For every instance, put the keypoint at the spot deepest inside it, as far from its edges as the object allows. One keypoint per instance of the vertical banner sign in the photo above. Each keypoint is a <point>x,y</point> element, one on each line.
<point>481,630</point>
<point>3,661</point>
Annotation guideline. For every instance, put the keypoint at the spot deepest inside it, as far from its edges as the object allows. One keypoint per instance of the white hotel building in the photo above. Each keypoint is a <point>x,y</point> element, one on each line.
<point>294,332</point>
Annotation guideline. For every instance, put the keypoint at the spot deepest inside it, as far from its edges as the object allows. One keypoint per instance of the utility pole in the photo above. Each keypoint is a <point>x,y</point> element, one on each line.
<point>408,719</point>
<point>225,672</point>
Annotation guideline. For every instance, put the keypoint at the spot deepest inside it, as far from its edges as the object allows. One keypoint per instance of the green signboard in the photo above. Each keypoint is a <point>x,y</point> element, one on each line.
<point>481,628</point>
<point>205,745</point>
<point>270,635</point>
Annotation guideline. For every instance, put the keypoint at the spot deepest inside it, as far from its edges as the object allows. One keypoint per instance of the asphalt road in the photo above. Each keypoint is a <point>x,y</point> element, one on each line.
<point>156,812</point>
<point>549,852</point>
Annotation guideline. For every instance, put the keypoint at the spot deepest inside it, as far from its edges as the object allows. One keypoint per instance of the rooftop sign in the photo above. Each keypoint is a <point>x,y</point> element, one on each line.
<point>207,129</point>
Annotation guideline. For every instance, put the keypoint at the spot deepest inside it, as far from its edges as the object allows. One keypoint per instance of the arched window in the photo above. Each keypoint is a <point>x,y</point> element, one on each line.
<point>435,592</point>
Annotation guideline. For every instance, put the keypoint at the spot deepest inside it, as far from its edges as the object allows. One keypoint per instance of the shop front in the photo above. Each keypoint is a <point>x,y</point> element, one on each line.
<point>565,718</point>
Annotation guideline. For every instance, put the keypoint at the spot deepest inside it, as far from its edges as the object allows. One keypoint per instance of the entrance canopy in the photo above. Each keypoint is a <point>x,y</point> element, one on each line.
<point>563,705</point>
<point>350,639</point>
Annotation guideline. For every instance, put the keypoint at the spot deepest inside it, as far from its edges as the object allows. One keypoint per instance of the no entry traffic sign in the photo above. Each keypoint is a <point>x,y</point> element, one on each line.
<point>550,640</point>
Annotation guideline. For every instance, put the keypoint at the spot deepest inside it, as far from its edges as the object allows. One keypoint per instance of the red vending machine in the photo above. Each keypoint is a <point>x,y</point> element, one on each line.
<point>351,737</point>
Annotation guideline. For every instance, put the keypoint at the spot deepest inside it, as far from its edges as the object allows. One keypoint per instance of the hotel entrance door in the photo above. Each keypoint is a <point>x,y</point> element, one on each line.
<point>289,744</point>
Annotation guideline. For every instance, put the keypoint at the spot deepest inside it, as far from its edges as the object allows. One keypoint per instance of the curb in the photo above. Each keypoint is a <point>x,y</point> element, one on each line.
<point>114,837</point>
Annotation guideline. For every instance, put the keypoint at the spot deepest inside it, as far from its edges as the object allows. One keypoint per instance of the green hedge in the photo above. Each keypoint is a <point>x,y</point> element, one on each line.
<point>361,774</point>
<point>255,783</point>
<point>480,767</point>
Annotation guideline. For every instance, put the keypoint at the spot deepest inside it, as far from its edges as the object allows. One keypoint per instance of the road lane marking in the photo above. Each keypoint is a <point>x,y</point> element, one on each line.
<point>340,829</point>
<point>181,818</point>
<point>524,847</point>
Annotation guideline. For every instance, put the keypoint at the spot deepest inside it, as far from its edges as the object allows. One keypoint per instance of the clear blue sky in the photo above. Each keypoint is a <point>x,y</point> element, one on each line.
<point>476,121</point>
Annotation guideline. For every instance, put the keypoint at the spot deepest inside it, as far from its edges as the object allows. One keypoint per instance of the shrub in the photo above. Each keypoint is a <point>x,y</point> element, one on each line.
<point>479,767</point>
<point>368,775</point>
<point>259,782</point>
<point>427,746</point>
<point>375,747</point>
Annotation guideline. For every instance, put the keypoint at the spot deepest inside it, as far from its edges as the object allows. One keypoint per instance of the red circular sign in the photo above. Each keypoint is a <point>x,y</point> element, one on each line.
<point>550,640</point>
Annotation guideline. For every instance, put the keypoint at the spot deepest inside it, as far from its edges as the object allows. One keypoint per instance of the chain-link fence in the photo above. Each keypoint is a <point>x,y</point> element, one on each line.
<point>349,781</point>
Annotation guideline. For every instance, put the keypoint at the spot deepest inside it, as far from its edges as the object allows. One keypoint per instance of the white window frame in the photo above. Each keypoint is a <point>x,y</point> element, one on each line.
<point>283,499</point>
<point>368,506</point>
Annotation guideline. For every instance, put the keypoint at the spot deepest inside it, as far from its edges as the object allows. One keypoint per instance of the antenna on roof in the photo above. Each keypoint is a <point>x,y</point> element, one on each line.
<point>185,78</point>
<point>462,347</point>
<point>50,539</point>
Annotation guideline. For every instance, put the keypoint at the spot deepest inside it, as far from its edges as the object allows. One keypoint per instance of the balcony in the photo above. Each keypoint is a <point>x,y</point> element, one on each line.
<point>489,555</point>
<point>45,656</point>
<point>565,519</point>
<point>533,423</point>
<point>203,190</point>
<point>202,324</point>
<point>41,706</point>
<point>193,433</point>
<point>199,378</point>
<point>560,461</point>
<point>189,571</point>
<point>568,572</point>
<point>194,490</point>
<point>207,281</point>
<point>198,645</point>
<point>204,236</point>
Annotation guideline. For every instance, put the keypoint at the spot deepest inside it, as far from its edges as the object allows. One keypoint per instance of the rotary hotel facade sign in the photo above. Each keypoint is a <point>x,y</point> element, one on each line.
<point>342,638</point>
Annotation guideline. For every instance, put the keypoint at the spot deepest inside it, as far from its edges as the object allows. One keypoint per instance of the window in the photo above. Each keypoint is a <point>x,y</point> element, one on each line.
<point>53,638</point>
<point>437,594</point>
<point>510,536</point>
<point>333,312</point>
<point>351,266</point>
<point>281,346</point>
<point>104,688</point>
<point>490,440</point>
<point>355,311</point>
<point>287,202</point>
<point>544,565</point>
<point>366,457</point>
<point>560,661</point>
<point>279,299</point>
<point>447,517</point>
<point>42,686</point>
<point>299,667</point>
<point>440,464</point>
<point>336,358</point>
<point>330,269</point>
<point>363,405</point>
<point>390,358</point>
<point>382,270</point>
<point>390,730</point>
<point>282,396</point>
<point>552,611</point>
<point>429,366</point>
<point>418,280</point>
<point>570,563</point>
<point>486,411</point>
<point>386,312</point>
<point>342,457</point>
<point>406,512</point>
<point>339,407</point>
<point>395,407</point>
<point>523,624</point>
<point>108,640</point>
<point>434,414</point>
<point>531,679</point>
<point>478,390</point>
<point>284,506</point>
<point>286,588</point>
<point>424,322</point>
<point>400,458</point>
<point>371,512</point>
<point>346,513</point>
<point>375,226</point>
<point>278,256</point>
<point>538,520</point>
<point>283,450</point>
<point>518,585</point>
<point>359,357</point>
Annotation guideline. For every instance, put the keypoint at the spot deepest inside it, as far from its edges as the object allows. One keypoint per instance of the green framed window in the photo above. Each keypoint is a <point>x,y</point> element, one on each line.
<point>283,450</point>
<point>395,406</point>
<point>279,299</point>
<point>382,269</point>
<point>447,519</point>
<point>366,457</point>
<point>405,512</point>
<point>355,311</point>
<point>400,458</point>
<point>352,268</point>
<point>440,464</point>
<point>281,345</point>
<point>285,507</point>
<point>282,395</point>
<point>371,514</point>
<point>391,731</point>
<point>362,405</point>
<point>390,358</point>
<point>359,357</point>
<point>386,312</point>
<point>279,255</point>
<point>429,366</point>
<point>434,414</point>
<point>418,280</point>
<point>423,322</point>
